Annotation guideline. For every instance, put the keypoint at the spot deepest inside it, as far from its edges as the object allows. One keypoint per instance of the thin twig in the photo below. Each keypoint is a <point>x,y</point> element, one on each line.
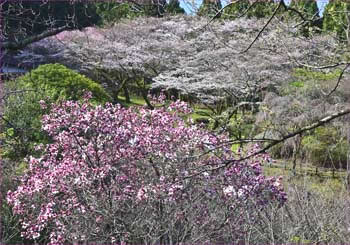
<point>264,27</point>
<point>339,79</point>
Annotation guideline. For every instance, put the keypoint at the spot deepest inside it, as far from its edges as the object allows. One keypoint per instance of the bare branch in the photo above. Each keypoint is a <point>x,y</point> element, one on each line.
<point>274,142</point>
<point>339,79</point>
<point>222,9</point>
<point>298,132</point>
<point>264,27</point>
<point>32,39</point>
<point>320,67</point>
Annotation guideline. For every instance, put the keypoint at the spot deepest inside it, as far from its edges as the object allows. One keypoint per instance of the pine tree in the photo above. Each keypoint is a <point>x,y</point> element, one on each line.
<point>337,19</point>
<point>173,7</point>
<point>210,8</point>
<point>258,9</point>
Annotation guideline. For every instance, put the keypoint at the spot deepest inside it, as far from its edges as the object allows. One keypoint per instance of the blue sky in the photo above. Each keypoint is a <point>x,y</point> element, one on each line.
<point>187,5</point>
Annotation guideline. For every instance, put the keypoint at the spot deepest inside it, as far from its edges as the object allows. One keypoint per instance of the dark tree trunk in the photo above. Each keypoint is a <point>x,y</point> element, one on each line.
<point>127,95</point>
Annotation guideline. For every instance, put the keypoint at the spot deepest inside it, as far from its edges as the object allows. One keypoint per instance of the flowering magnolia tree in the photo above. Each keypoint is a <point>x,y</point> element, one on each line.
<point>136,175</point>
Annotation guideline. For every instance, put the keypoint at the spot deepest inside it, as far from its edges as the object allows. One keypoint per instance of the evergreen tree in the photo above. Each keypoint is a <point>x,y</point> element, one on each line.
<point>336,19</point>
<point>111,12</point>
<point>258,9</point>
<point>210,8</point>
<point>310,11</point>
<point>307,7</point>
<point>173,7</point>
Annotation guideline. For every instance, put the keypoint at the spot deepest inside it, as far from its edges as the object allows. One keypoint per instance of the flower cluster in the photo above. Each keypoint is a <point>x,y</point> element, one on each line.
<point>114,174</point>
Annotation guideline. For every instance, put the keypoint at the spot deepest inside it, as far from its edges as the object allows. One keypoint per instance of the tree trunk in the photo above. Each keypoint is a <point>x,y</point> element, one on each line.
<point>297,144</point>
<point>144,96</point>
<point>127,95</point>
<point>347,181</point>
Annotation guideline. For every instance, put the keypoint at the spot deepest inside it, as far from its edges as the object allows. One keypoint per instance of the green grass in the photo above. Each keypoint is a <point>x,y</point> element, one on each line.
<point>297,84</point>
<point>321,181</point>
<point>135,101</point>
<point>306,79</point>
<point>308,74</point>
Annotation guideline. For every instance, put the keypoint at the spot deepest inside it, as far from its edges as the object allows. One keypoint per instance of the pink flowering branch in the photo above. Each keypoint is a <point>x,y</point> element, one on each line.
<point>114,174</point>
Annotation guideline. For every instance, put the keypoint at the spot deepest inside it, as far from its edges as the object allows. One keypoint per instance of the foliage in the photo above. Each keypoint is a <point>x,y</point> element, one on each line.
<point>209,8</point>
<point>308,8</point>
<point>258,9</point>
<point>22,125</point>
<point>154,8</point>
<point>308,74</point>
<point>58,82</point>
<point>52,82</point>
<point>326,148</point>
<point>310,11</point>
<point>297,103</point>
<point>173,7</point>
<point>111,12</point>
<point>312,84</point>
<point>336,19</point>
<point>138,176</point>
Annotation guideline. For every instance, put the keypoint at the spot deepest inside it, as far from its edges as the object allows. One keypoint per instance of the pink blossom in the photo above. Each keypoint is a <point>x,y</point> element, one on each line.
<point>112,164</point>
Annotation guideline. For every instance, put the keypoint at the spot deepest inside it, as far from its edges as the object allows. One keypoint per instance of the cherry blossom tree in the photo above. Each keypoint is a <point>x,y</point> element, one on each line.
<point>185,54</point>
<point>136,175</point>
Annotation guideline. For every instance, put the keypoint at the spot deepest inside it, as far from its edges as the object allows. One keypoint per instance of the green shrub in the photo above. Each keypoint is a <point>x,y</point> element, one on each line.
<point>326,148</point>
<point>22,111</point>
<point>57,82</point>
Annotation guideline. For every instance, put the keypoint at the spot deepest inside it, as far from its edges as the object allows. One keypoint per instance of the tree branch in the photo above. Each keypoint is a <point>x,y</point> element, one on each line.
<point>339,79</point>
<point>281,3</point>
<point>21,44</point>
<point>274,142</point>
<point>298,132</point>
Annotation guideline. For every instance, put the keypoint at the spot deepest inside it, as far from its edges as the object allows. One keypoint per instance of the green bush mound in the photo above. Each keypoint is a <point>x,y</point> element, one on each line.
<point>22,111</point>
<point>58,82</point>
<point>326,148</point>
